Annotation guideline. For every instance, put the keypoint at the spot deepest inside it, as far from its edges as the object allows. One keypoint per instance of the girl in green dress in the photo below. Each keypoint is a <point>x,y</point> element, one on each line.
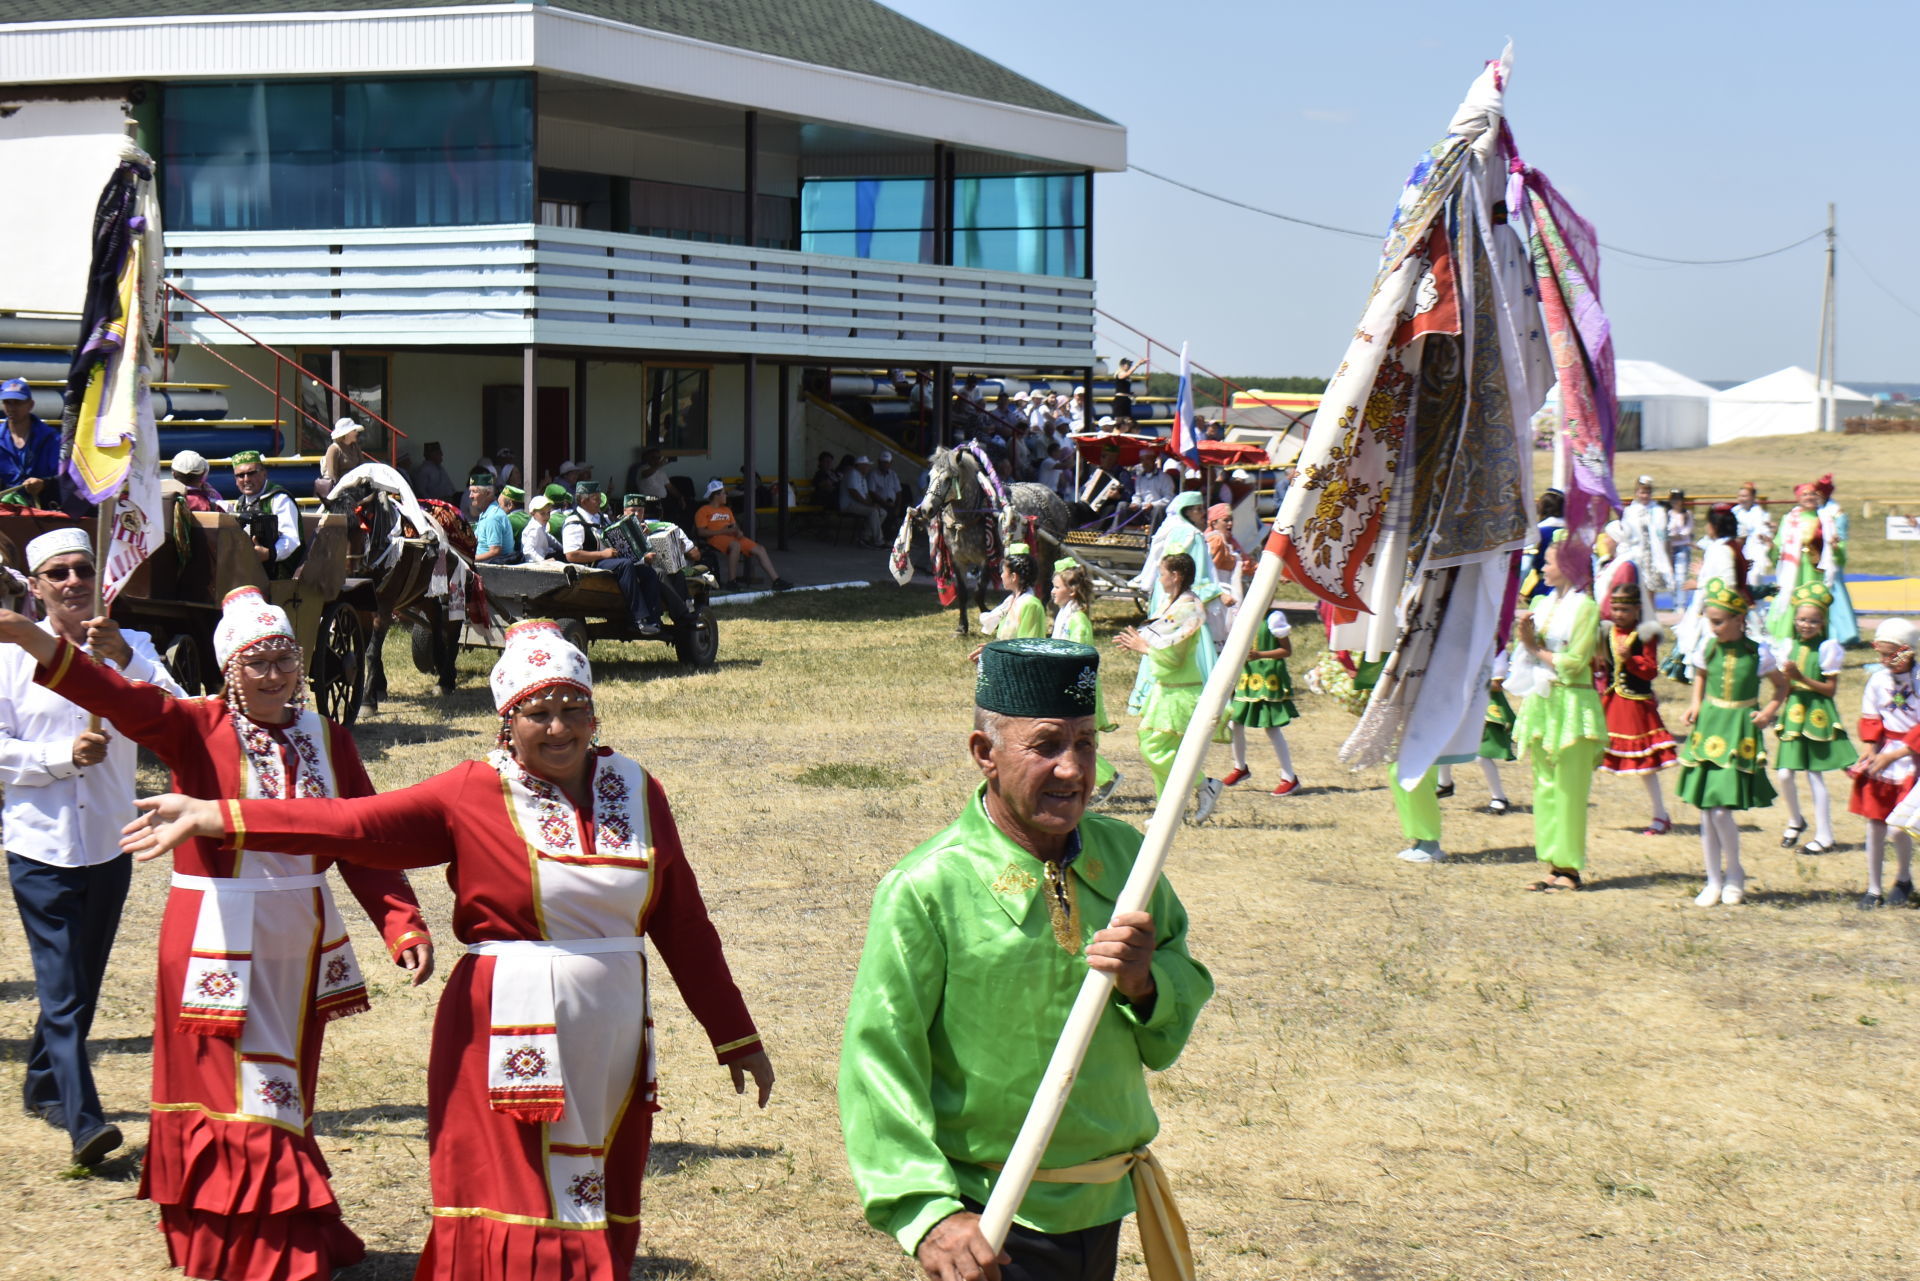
<point>1264,700</point>
<point>1175,645</point>
<point>1722,768</point>
<point>1073,598</point>
<point>1813,740</point>
<point>1021,613</point>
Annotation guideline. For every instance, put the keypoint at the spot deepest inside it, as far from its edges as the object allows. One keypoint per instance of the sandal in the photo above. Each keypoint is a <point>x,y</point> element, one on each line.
<point>1561,878</point>
<point>1791,837</point>
<point>1498,806</point>
<point>1659,827</point>
<point>1818,847</point>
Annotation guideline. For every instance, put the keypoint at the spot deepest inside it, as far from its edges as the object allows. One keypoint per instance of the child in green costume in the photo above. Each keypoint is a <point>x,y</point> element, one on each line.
<point>1073,598</point>
<point>1813,740</point>
<point>1264,700</point>
<point>1722,768</point>
<point>1021,613</point>
<point>1176,647</point>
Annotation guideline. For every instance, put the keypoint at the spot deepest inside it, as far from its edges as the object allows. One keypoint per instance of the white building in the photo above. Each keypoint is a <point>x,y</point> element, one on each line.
<point>1659,408</point>
<point>1785,403</point>
<point>574,227</point>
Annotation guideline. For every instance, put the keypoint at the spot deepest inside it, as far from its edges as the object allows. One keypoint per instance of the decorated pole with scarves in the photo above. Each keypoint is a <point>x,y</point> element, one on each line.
<point>1413,490</point>
<point>107,430</point>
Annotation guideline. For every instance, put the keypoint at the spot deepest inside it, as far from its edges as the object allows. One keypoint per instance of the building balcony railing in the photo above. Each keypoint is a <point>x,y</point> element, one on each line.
<point>521,285</point>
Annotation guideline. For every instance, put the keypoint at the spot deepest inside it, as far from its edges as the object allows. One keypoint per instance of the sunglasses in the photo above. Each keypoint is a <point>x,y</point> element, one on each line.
<point>60,573</point>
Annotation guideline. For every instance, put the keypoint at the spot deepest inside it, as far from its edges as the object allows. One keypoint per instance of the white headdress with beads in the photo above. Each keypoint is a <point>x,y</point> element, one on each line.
<point>246,620</point>
<point>537,656</point>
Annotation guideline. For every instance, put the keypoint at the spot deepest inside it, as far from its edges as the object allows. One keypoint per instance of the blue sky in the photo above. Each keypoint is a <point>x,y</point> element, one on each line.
<point>1687,129</point>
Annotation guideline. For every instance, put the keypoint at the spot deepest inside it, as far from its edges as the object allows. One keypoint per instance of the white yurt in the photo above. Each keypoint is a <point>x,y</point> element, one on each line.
<point>1785,403</point>
<point>1660,408</point>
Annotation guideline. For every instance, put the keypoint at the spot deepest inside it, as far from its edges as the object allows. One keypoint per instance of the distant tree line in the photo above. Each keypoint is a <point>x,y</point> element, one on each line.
<point>1208,389</point>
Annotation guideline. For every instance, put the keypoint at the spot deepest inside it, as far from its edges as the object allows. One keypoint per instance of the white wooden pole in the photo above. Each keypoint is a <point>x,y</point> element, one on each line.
<point>1064,1068</point>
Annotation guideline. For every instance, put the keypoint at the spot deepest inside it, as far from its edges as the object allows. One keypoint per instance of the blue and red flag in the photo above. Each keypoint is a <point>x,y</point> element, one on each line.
<point>1185,440</point>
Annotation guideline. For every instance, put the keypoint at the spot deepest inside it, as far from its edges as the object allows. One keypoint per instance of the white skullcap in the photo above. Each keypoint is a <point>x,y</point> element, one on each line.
<point>246,621</point>
<point>188,463</point>
<point>1106,420</point>
<point>537,657</point>
<point>57,542</point>
<point>863,459</point>
<point>345,427</point>
<point>1900,631</point>
<point>1171,464</point>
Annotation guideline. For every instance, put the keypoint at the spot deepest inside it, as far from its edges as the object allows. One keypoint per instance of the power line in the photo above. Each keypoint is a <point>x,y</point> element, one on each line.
<point>1368,235</point>
<point>1874,280</point>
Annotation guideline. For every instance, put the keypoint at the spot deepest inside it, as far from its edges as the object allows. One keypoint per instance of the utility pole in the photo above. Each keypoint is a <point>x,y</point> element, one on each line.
<point>1823,363</point>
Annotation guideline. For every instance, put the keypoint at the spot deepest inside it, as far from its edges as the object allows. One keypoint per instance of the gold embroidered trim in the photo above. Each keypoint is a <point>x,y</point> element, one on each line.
<point>1013,879</point>
<point>1063,908</point>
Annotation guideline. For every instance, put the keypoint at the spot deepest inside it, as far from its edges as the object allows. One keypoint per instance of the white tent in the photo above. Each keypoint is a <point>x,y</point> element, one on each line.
<point>1786,403</point>
<point>1659,408</point>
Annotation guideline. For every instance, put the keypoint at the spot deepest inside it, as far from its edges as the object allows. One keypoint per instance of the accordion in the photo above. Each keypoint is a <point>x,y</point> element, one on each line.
<point>630,537</point>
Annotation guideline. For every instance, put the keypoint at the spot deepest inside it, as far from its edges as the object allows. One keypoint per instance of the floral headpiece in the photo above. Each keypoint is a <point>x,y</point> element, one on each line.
<point>1722,593</point>
<point>537,657</point>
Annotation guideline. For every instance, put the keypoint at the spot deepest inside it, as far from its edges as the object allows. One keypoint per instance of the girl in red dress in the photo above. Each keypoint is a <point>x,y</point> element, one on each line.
<point>254,960</point>
<point>565,863</point>
<point>1637,740</point>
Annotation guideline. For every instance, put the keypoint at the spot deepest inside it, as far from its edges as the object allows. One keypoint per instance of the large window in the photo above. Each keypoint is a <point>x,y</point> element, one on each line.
<point>889,218</point>
<point>427,151</point>
<point>678,400</point>
<point>364,377</point>
<point>1033,223</point>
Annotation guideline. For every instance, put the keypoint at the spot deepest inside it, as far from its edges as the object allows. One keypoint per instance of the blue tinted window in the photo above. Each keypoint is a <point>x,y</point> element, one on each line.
<point>889,218</point>
<point>426,151</point>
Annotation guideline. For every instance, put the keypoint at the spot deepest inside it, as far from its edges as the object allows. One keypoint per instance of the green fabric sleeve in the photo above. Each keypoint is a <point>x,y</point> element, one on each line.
<point>1033,618</point>
<point>1575,663</point>
<point>1182,986</point>
<point>905,1182</point>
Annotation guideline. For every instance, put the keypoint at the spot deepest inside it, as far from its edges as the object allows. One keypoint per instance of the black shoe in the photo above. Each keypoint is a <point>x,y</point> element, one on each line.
<point>1443,791</point>
<point>93,1149</point>
<point>1902,894</point>
<point>1870,900</point>
<point>646,629</point>
<point>782,585</point>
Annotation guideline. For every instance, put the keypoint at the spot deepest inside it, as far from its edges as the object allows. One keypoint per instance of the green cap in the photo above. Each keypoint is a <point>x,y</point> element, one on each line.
<point>582,488</point>
<point>556,493</point>
<point>514,492</point>
<point>481,478</point>
<point>1037,677</point>
<point>1019,549</point>
<point>1064,564</point>
<point>245,456</point>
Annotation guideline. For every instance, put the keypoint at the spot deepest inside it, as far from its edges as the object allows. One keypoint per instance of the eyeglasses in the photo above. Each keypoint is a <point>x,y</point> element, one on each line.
<point>261,668</point>
<point>60,573</point>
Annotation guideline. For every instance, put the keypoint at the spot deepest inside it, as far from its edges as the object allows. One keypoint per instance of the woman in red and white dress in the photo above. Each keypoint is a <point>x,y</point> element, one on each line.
<point>564,861</point>
<point>254,959</point>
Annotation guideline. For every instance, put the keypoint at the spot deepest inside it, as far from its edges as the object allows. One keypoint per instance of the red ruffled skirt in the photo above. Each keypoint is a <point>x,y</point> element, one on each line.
<point>1637,739</point>
<point>1875,798</point>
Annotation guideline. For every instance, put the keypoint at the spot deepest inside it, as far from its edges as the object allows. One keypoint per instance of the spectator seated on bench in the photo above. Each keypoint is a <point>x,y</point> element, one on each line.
<point>715,525</point>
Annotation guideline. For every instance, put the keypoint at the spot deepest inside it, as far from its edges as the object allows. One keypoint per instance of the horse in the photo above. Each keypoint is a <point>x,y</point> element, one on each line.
<point>961,501</point>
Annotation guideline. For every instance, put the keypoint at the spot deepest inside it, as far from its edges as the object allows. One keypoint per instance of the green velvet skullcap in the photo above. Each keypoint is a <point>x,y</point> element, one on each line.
<point>634,500</point>
<point>514,492</point>
<point>244,457</point>
<point>481,478</point>
<point>1037,677</point>
<point>581,488</point>
<point>557,493</point>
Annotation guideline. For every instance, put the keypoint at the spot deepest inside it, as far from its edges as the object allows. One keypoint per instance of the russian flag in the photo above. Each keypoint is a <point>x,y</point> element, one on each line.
<point>1184,441</point>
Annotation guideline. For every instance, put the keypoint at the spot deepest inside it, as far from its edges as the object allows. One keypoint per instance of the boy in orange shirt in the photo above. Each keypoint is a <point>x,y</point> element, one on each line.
<point>715,525</point>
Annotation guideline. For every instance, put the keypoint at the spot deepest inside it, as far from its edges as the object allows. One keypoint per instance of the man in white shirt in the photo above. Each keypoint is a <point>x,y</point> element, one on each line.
<point>1755,528</point>
<point>268,513</point>
<point>1645,524</point>
<point>69,789</point>
<point>1155,489</point>
<point>856,496</point>
<point>884,488</point>
<point>582,542</point>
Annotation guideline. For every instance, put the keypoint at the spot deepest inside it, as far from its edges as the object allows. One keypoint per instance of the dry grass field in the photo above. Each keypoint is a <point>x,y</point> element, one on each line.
<point>1419,1072</point>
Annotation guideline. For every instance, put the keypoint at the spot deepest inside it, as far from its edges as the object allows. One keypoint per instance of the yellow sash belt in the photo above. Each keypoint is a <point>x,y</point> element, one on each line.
<point>1163,1234</point>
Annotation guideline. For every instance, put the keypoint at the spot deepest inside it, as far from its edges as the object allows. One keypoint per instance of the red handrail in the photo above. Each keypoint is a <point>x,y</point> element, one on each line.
<point>394,434</point>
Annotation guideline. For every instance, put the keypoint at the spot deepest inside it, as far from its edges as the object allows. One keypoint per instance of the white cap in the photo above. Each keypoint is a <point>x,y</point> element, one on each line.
<point>886,455</point>
<point>1241,473</point>
<point>1018,395</point>
<point>246,621</point>
<point>863,459</point>
<point>538,501</point>
<point>571,465</point>
<point>1172,464</point>
<point>1644,480</point>
<point>345,427</point>
<point>716,486</point>
<point>1079,391</point>
<point>1899,631</point>
<point>188,463</point>
<point>57,542</point>
<point>1106,420</point>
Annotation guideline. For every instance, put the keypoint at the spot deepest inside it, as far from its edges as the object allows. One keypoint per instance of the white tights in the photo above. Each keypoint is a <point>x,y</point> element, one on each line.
<point>1652,778</point>
<point>1877,854</point>
<point>1720,844</point>
<point>1275,736</point>
<point>1822,803</point>
<point>1491,769</point>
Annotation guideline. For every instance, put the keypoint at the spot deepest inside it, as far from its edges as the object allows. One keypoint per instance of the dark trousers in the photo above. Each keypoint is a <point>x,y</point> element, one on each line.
<point>70,915</point>
<point>639,586</point>
<point>1091,1254</point>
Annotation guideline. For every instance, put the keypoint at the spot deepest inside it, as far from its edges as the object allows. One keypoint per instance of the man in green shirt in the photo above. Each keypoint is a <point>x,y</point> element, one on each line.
<point>977,944</point>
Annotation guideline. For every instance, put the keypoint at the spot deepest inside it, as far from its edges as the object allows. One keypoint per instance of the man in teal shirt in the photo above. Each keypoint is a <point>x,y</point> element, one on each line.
<point>492,530</point>
<point>977,944</point>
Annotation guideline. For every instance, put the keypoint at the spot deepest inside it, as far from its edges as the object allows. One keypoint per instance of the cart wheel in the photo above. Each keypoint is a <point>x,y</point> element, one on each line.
<point>574,632</point>
<point>697,641</point>
<point>339,672</point>
<point>422,637</point>
<point>182,657</point>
